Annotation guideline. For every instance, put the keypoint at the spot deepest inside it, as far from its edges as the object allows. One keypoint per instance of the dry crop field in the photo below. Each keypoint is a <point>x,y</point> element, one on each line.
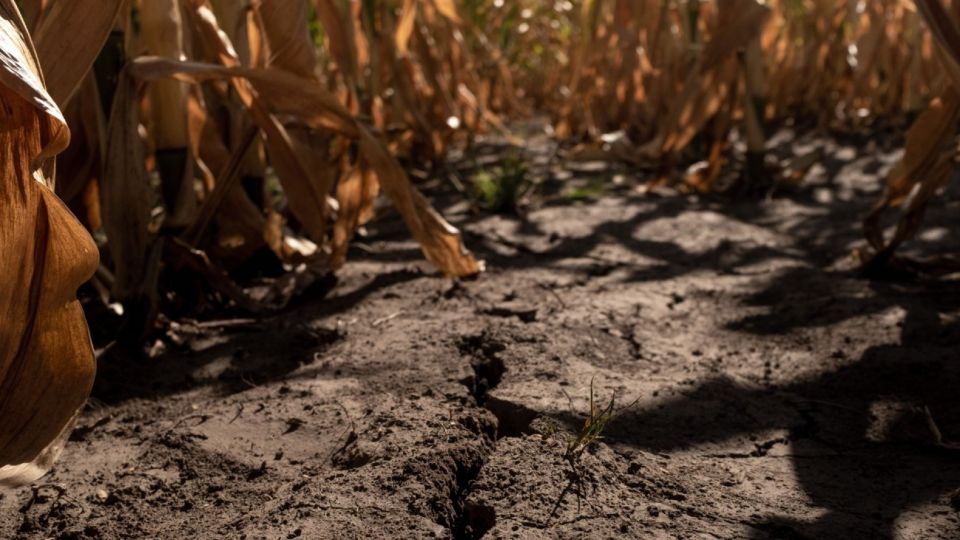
<point>479,269</point>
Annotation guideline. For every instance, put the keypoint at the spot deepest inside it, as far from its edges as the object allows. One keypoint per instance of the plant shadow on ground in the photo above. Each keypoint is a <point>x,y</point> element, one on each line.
<point>860,481</point>
<point>841,461</point>
<point>269,349</point>
<point>859,442</point>
<point>823,232</point>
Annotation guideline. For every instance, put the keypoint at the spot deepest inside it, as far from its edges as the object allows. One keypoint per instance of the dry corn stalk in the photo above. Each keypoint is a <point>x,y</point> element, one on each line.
<point>46,358</point>
<point>161,34</point>
<point>331,165</point>
<point>617,72</point>
<point>931,147</point>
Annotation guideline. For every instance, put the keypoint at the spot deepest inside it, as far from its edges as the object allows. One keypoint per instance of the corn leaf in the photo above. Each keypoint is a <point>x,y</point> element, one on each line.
<point>68,39</point>
<point>286,93</point>
<point>46,359</point>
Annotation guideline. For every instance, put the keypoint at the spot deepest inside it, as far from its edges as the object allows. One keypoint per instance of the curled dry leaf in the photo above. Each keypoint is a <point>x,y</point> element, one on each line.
<point>440,241</point>
<point>240,223</point>
<point>707,88</point>
<point>285,25</point>
<point>307,186</point>
<point>285,30</point>
<point>285,92</point>
<point>46,358</point>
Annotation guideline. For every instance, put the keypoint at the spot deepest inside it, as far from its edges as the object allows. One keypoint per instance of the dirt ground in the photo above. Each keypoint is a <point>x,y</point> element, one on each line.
<point>775,393</point>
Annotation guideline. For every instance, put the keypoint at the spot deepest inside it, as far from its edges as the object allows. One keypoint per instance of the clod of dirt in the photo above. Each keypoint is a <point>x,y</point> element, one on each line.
<point>353,454</point>
<point>525,313</point>
<point>293,424</point>
<point>513,420</point>
<point>480,425</point>
<point>257,472</point>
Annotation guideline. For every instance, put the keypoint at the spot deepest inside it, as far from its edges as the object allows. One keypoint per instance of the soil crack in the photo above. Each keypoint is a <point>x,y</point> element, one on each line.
<point>473,520</point>
<point>488,368</point>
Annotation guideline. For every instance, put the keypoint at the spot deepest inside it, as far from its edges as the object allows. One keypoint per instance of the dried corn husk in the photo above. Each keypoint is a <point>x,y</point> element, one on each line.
<point>46,359</point>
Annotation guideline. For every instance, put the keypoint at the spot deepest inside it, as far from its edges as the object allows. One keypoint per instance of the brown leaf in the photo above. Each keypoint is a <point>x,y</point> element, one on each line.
<point>946,33</point>
<point>337,38</point>
<point>46,359</point>
<point>355,191</point>
<point>408,16</point>
<point>286,28</point>
<point>440,241</point>
<point>923,170</point>
<point>448,9</point>
<point>286,93</point>
<point>740,21</point>
<point>240,223</point>
<point>68,39</point>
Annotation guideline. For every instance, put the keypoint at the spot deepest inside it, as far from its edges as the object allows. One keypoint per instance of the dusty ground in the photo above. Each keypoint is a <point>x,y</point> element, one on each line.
<point>777,394</point>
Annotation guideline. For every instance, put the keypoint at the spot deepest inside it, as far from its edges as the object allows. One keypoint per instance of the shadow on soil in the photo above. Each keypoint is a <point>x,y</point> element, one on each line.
<point>241,357</point>
<point>858,441</point>
<point>826,233</point>
<point>859,438</point>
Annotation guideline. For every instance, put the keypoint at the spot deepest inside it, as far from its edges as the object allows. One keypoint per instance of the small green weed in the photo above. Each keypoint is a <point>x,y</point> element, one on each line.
<point>592,430</point>
<point>501,188</point>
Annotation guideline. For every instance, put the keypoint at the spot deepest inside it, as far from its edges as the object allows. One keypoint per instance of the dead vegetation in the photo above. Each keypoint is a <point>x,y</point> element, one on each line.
<point>192,144</point>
